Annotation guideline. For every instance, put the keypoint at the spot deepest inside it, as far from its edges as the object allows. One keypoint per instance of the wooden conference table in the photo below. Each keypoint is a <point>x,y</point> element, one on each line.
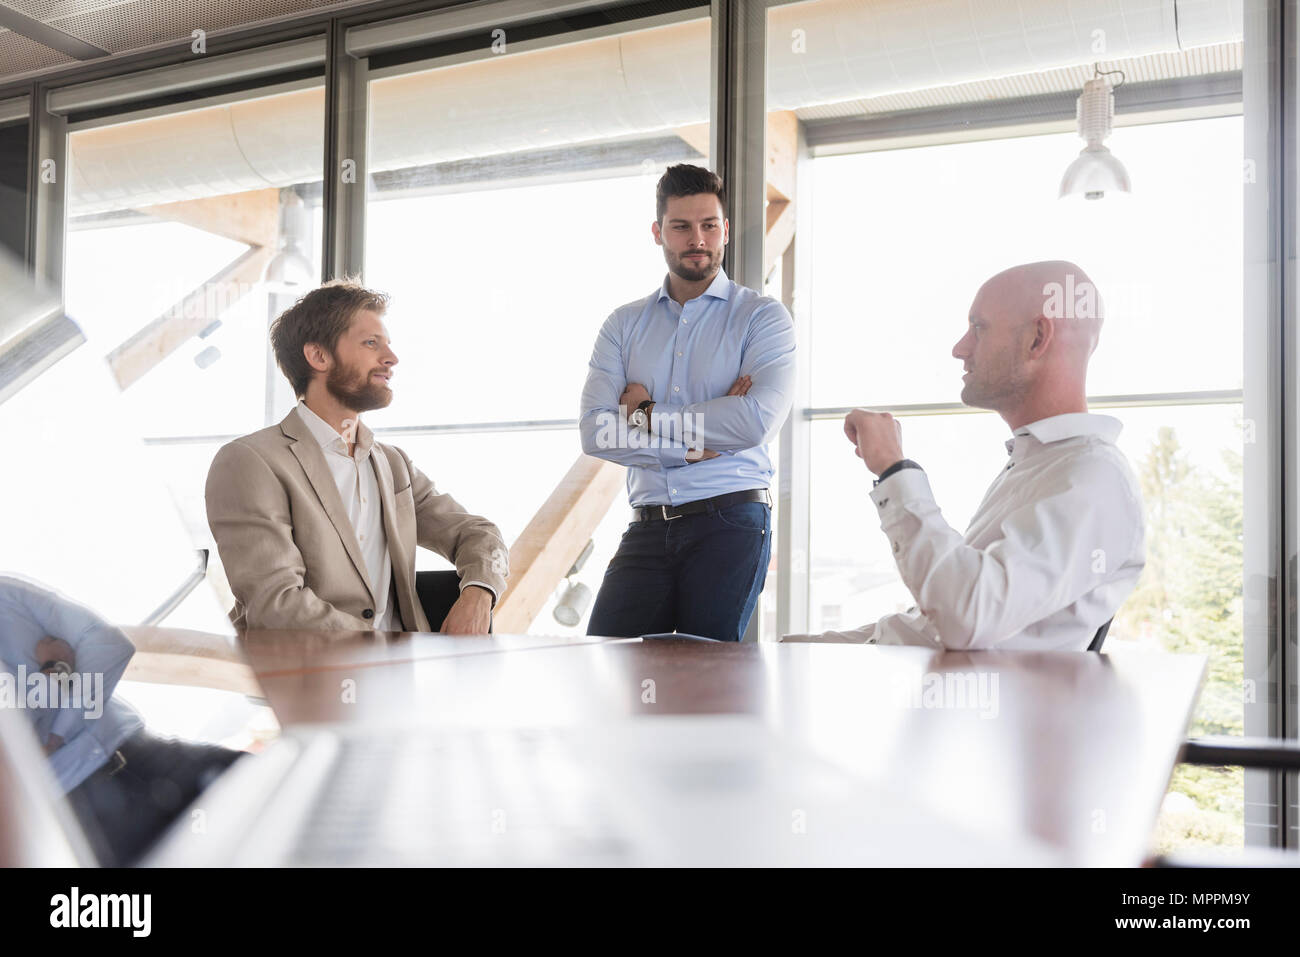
<point>1046,757</point>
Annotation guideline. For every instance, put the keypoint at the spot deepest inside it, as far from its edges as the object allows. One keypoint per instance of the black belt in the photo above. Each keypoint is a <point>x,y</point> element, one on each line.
<point>666,513</point>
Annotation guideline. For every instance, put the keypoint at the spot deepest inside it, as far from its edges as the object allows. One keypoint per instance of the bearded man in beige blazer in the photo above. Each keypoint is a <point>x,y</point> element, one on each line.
<point>316,522</point>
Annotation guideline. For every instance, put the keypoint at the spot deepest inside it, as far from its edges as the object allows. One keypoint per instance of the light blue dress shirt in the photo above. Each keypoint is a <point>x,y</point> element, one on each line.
<point>29,613</point>
<point>687,357</point>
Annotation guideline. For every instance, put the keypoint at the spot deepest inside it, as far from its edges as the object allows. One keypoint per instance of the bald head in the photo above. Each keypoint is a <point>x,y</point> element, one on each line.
<point>1054,289</point>
<point>1032,330</point>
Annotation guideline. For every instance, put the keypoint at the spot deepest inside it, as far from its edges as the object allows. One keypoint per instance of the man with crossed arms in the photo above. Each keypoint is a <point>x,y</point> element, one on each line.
<point>1057,544</point>
<point>685,388</point>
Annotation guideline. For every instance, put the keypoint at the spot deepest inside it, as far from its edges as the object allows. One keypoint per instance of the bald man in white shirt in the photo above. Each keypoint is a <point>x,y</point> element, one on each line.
<point>1057,543</point>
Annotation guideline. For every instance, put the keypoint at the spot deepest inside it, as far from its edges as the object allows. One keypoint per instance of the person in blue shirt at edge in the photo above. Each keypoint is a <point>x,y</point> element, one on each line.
<point>686,387</point>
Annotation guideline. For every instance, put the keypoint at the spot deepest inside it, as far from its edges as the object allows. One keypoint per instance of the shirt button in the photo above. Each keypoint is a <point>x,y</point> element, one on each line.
<point>677,388</point>
<point>673,490</point>
<point>684,321</point>
<point>679,355</point>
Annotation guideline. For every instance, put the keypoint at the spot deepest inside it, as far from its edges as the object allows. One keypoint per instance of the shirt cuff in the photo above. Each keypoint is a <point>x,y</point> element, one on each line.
<point>897,494</point>
<point>672,458</point>
<point>673,454</point>
<point>464,585</point>
<point>857,636</point>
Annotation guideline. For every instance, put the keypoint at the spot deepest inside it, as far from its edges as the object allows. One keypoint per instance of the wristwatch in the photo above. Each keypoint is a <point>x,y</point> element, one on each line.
<point>640,417</point>
<point>896,467</point>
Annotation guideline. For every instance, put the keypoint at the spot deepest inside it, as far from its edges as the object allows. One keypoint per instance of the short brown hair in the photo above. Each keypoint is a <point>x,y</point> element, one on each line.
<point>321,316</point>
<point>686,180</point>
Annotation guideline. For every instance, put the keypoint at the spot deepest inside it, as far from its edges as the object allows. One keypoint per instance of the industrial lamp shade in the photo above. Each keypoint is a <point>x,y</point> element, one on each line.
<point>1095,171</point>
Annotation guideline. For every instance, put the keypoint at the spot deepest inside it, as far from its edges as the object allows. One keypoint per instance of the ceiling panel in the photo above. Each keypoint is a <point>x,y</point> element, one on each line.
<point>21,55</point>
<point>46,10</point>
<point>140,23</point>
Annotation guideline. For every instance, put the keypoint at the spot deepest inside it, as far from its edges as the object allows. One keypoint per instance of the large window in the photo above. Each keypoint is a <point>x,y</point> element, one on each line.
<point>511,193</point>
<point>923,175</point>
<point>188,232</point>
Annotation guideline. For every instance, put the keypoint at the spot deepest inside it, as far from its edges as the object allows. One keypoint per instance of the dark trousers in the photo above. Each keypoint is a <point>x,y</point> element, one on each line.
<point>698,574</point>
<point>124,811</point>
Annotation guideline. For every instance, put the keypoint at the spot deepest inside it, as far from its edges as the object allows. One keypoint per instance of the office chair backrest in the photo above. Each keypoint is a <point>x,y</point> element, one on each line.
<point>1099,638</point>
<point>437,592</point>
<point>676,636</point>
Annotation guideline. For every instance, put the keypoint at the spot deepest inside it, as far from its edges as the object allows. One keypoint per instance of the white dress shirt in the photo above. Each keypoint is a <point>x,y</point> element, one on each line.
<point>29,613</point>
<point>1051,554</point>
<point>354,475</point>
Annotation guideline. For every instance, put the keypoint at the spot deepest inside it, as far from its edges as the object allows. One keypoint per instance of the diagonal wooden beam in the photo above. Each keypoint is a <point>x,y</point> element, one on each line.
<point>168,332</point>
<point>696,136</point>
<point>553,540</point>
<point>782,155</point>
<point>251,217</point>
<point>780,233</point>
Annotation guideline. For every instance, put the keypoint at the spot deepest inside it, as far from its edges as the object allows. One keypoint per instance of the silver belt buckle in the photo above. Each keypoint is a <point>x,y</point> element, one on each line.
<point>116,762</point>
<point>667,517</point>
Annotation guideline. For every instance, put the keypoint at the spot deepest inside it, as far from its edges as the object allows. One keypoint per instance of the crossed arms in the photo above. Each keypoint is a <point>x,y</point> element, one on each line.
<point>747,416</point>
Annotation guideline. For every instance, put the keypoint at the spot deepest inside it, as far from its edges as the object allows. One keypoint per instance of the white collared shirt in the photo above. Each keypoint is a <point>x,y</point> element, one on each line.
<point>358,486</point>
<point>1052,552</point>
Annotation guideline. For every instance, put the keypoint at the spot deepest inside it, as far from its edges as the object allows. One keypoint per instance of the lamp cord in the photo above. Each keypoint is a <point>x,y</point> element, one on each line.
<point>1098,71</point>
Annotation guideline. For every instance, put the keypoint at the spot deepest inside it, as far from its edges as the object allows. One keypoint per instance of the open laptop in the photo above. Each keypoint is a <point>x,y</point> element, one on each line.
<point>37,827</point>
<point>648,791</point>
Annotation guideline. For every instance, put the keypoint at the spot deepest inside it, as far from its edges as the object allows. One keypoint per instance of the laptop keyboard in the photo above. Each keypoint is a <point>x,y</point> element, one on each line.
<point>465,797</point>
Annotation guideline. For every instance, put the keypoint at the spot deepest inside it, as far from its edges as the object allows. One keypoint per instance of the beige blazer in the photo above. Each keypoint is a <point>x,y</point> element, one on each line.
<point>290,553</point>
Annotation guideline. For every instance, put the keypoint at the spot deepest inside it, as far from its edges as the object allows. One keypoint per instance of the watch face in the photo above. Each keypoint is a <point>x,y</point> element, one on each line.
<point>637,419</point>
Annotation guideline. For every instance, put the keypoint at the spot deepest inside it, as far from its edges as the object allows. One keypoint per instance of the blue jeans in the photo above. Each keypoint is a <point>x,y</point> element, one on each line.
<point>698,574</point>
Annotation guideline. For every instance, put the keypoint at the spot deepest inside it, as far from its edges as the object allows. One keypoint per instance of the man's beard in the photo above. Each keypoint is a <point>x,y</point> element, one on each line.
<point>1004,390</point>
<point>684,270</point>
<point>361,397</point>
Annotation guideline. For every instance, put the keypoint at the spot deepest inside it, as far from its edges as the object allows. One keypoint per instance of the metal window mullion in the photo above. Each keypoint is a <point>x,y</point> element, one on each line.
<point>458,19</point>
<point>1134,400</point>
<point>1265,587</point>
<point>47,179</point>
<point>15,109</point>
<point>343,196</point>
<point>1284,659</point>
<point>795,469</point>
<point>200,72</point>
<point>737,134</point>
<point>738,127</point>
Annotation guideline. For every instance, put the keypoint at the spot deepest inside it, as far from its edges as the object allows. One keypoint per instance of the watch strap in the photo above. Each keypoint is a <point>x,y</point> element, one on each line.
<point>896,467</point>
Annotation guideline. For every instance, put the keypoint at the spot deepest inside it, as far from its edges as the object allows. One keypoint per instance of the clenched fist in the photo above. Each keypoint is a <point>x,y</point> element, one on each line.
<point>876,436</point>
